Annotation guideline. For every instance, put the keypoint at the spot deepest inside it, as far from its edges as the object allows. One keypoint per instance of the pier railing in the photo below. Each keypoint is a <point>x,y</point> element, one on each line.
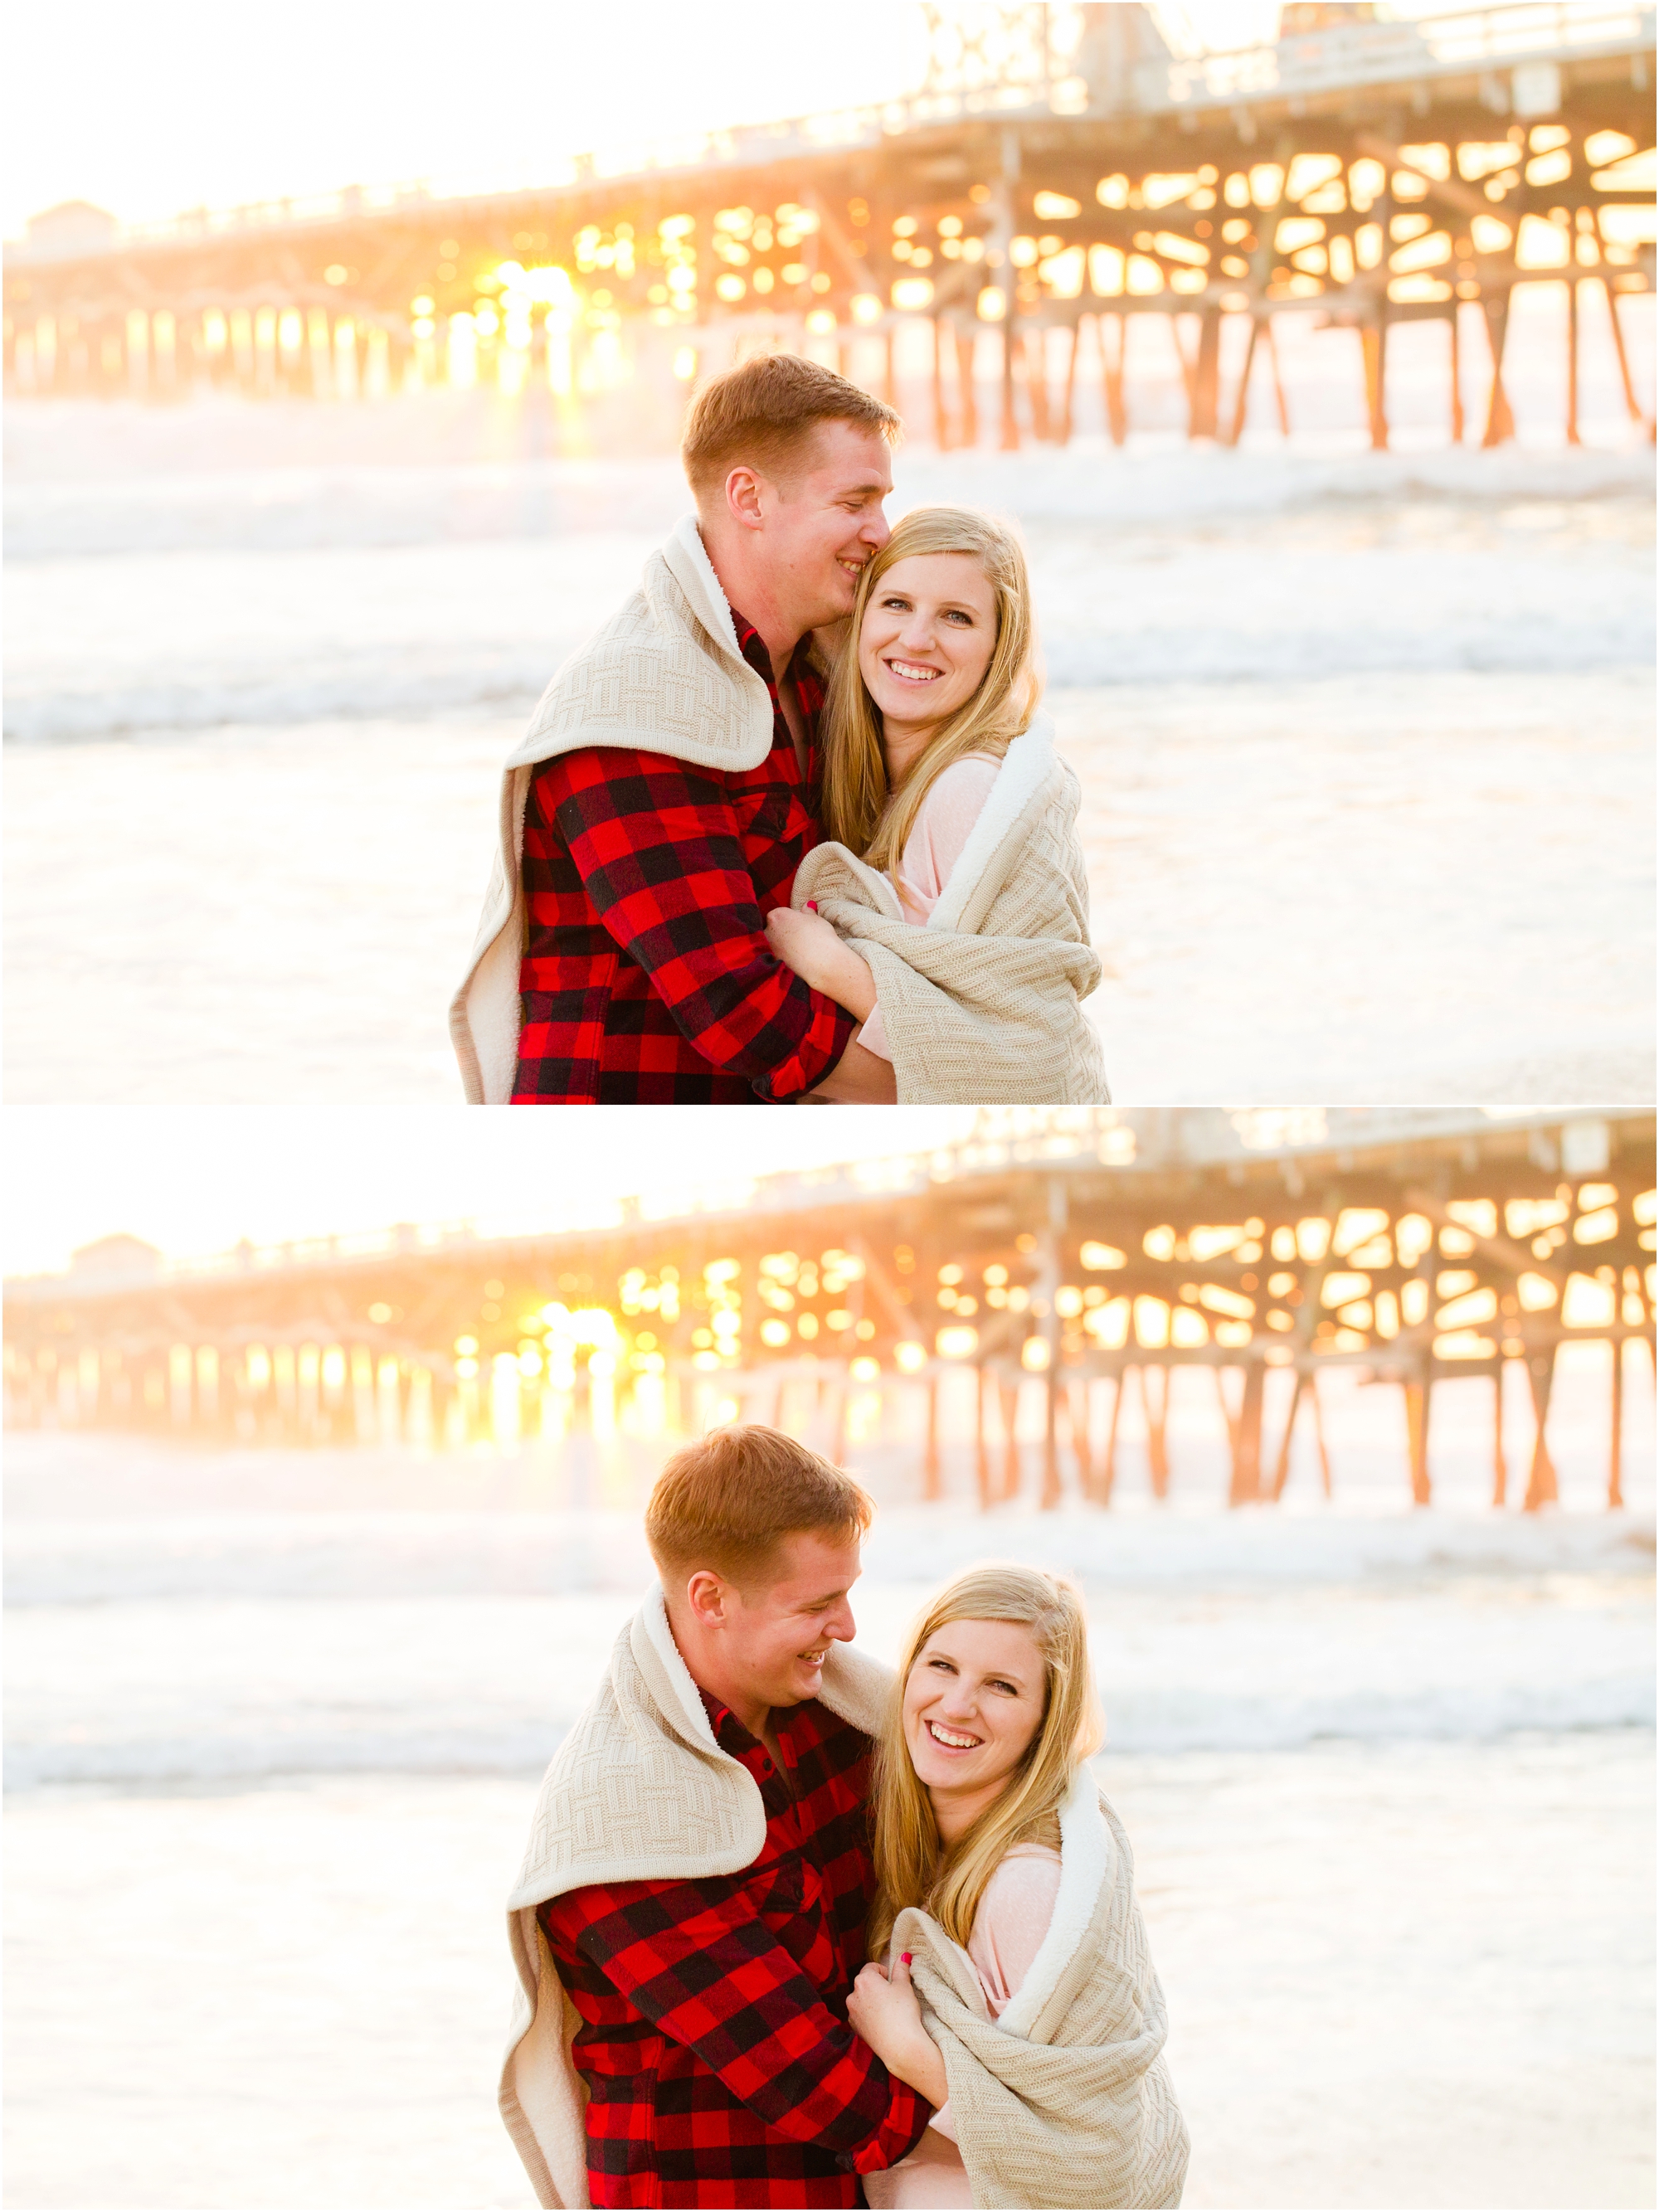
<point>1347,56</point>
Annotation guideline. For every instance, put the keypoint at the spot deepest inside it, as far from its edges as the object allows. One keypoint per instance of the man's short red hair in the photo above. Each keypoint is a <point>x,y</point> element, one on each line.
<point>763,413</point>
<point>727,1501</point>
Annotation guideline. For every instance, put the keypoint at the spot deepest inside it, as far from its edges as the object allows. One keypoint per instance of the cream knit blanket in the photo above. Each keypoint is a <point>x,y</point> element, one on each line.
<point>1066,2100</point>
<point>638,1791</point>
<point>983,1006</point>
<point>663,675</point>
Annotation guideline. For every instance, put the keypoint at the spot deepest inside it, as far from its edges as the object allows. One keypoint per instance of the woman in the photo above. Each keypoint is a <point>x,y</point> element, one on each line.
<point>955,882</point>
<point>1006,1905</point>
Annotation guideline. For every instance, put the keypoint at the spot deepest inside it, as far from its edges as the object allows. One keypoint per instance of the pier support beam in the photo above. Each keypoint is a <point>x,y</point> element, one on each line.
<point>1009,276</point>
<point>1053,1229</point>
<point>966,340</point>
<point>1418,1395</point>
<point>1155,1404</point>
<point>932,1488</point>
<point>1245,1488</point>
<point>1242,398</point>
<point>1616,1429</point>
<point>1633,404</point>
<point>1542,1487</point>
<point>1456,377</point>
<point>1063,436</point>
<point>1008,1405</point>
<point>1204,419</point>
<point>1500,422</point>
<point>1374,338</point>
<point>1077,1418</point>
<point>1033,358</point>
<point>981,1449</point>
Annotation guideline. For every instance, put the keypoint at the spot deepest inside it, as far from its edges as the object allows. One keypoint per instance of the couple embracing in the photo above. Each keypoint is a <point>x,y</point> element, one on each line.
<point>791,825</point>
<point>792,1930</point>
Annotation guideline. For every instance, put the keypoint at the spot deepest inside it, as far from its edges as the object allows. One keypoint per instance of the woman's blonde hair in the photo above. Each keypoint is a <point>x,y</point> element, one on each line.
<point>913,1866</point>
<point>860,810</point>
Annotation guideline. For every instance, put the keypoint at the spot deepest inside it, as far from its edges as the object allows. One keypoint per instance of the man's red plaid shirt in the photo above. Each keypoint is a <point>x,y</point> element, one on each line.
<point>720,2066</point>
<point>647,975</point>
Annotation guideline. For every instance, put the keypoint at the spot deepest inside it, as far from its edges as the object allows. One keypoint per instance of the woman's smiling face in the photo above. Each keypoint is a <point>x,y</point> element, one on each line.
<point>973,1703</point>
<point>929,631</point>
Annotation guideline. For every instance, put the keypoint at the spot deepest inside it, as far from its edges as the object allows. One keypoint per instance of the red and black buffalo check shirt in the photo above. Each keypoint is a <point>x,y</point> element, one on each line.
<point>720,2066</point>
<point>647,977</point>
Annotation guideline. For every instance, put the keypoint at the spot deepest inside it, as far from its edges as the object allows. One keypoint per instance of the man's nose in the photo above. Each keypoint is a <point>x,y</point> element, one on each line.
<point>876,529</point>
<point>840,1627</point>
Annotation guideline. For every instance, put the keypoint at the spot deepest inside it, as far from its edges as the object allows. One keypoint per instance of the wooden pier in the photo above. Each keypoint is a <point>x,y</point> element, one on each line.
<point>1076,1256</point>
<point>1061,174</point>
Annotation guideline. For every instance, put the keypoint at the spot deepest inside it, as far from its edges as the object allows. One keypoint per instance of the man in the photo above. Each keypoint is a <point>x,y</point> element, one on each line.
<point>690,1916</point>
<point>665,795</point>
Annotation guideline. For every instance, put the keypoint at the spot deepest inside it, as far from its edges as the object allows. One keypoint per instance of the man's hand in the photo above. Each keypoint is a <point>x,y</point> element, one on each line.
<point>882,2009</point>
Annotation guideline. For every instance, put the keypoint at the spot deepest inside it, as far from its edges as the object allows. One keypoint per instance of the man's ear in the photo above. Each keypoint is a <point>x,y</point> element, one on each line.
<point>708,1599</point>
<point>744,498</point>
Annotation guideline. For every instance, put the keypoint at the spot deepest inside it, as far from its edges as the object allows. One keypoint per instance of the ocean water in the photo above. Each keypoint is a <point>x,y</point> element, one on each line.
<point>1363,739</point>
<point>275,1720</point>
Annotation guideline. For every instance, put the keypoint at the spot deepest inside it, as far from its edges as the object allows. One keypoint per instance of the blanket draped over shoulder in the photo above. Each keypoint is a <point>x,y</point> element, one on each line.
<point>663,675</point>
<point>983,1006</point>
<point>638,1791</point>
<point>1064,2100</point>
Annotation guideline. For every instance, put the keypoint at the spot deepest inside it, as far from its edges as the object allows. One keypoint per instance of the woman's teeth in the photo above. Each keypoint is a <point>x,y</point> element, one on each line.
<point>950,1740</point>
<point>912,672</point>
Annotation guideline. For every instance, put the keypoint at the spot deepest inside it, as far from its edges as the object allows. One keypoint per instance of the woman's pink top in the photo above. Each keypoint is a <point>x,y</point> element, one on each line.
<point>1008,1933</point>
<point>941,827</point>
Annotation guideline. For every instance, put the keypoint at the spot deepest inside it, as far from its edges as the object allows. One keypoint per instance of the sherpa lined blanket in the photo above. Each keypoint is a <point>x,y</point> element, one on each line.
<point>664,675</point>
<point>638,1791</point>
<point>983,1006</point>
<point>1066,2100</point>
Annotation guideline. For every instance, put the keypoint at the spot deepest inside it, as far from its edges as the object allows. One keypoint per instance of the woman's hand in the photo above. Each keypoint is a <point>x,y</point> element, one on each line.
<point>882,2009</point>
<point>806,943</point>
